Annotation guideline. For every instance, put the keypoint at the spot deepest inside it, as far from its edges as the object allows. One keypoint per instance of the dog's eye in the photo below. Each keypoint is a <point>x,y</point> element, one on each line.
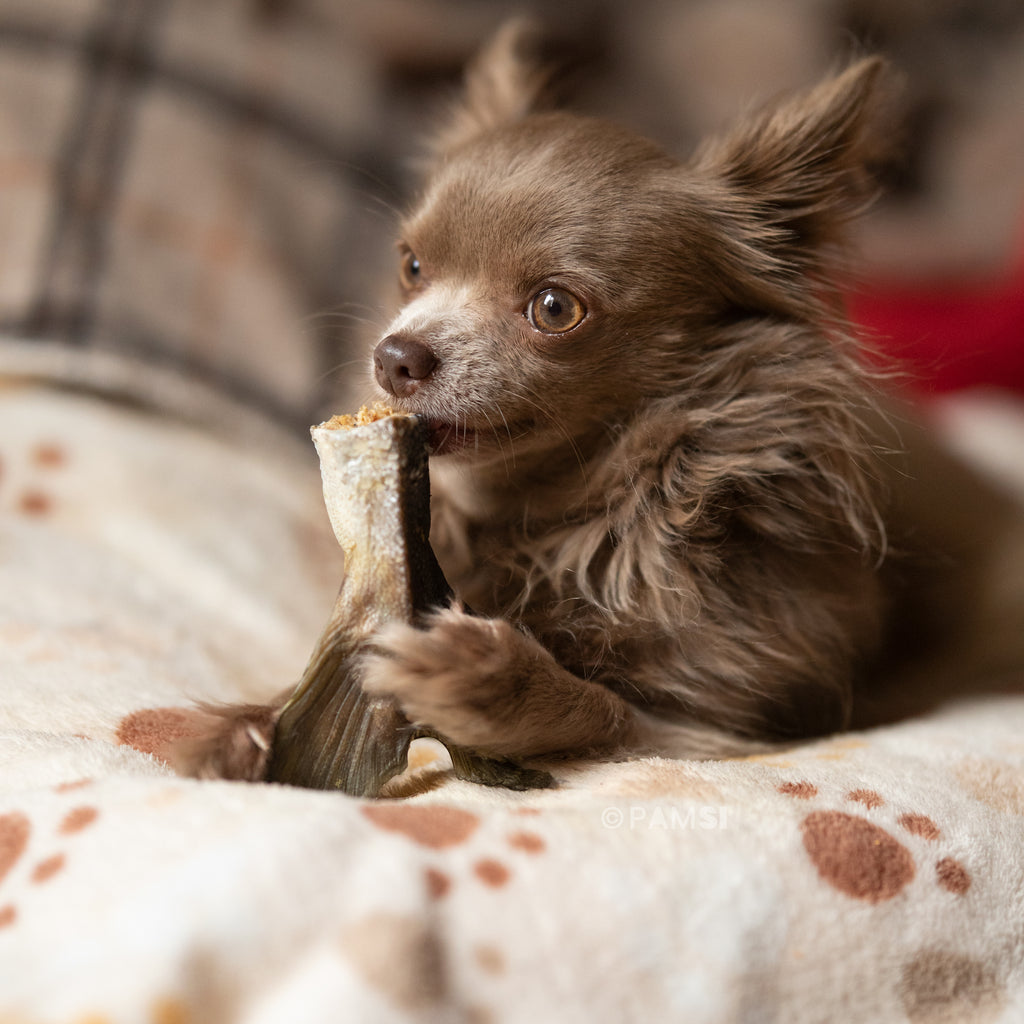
<point>411,271</point>
<point>555,311</point>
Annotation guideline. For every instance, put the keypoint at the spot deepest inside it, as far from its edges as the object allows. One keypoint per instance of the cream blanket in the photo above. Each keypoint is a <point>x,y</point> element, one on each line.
<point>145,562</point>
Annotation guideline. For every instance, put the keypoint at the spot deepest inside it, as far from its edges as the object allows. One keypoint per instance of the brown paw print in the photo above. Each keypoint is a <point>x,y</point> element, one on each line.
<point>16,834</point>
<point>435,828</point>
<point>938,985</point>
<point>863,860</point>
<point>156,731</point>
<point>29,478</point>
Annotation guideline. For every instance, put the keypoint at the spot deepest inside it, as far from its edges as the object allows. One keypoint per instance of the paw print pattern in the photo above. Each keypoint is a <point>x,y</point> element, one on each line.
<point>437,827</point>
<point>372,943</point>
<point>861,859</point>
<point>26,483</point>
<point>156,730</point>
<point>16,839</point>
<point>869,863</point>
<point>938,985</point>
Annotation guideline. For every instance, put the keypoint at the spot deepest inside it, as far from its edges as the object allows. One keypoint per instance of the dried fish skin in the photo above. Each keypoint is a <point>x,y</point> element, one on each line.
<point>330,734</point>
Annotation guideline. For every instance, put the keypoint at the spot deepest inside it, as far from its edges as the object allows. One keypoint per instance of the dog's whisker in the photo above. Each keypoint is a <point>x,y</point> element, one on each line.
<point>511,439</point>
<point>348,312</point>
<point>338,369</point>
<point>497,437</point>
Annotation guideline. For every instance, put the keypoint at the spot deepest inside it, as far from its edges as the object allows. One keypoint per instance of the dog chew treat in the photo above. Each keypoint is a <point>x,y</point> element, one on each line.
<point>330,734</point>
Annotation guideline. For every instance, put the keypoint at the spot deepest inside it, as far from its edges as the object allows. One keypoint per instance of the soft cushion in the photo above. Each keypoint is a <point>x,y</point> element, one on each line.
<point>145,562</point>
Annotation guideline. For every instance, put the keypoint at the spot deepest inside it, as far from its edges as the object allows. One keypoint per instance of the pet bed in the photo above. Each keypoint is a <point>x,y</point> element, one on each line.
<point>147,560</point>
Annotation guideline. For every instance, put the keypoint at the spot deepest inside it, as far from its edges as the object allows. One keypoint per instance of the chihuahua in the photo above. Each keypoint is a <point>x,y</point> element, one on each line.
<point>685,519</point>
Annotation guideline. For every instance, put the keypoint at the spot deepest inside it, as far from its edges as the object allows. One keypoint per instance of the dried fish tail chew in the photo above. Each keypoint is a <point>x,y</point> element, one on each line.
<point>330,734</point>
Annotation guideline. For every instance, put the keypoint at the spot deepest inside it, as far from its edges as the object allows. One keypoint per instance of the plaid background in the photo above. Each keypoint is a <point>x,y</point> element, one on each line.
<point>206,184</point>
<point>200,183</point>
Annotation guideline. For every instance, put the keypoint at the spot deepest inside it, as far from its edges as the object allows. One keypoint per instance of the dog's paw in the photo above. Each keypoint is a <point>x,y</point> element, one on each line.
<point>463,676</point>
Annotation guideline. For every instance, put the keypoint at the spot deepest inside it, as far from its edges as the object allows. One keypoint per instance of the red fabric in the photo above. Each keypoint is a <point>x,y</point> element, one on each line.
<point>949,337</point>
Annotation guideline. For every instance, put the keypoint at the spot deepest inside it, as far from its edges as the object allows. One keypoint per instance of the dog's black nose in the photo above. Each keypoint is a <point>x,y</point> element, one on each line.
<point>402,364</point>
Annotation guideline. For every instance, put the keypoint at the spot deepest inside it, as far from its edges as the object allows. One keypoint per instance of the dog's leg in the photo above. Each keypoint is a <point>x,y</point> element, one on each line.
<point>484,685</point>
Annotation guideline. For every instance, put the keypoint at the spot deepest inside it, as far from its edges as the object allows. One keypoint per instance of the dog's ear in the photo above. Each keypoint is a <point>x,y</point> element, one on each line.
<point>507,80</point>
<point>798,172</point>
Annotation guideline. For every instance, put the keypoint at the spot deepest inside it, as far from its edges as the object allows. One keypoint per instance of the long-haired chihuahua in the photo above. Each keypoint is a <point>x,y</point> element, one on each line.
<point>663,479</point>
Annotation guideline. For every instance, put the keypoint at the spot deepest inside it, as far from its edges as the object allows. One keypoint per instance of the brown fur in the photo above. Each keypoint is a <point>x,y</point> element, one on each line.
<point>677,521</point>
<point>226,741</point>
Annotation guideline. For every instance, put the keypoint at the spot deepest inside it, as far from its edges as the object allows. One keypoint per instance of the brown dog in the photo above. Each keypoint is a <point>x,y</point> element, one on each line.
<point>659,463</point>
<point>661,476</point>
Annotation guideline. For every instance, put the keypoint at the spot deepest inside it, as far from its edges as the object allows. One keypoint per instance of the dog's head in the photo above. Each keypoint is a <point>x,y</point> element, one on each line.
<point>558,270</point>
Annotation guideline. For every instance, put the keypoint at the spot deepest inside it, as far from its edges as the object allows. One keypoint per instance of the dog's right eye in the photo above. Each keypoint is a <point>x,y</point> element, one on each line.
<point>411,271</point>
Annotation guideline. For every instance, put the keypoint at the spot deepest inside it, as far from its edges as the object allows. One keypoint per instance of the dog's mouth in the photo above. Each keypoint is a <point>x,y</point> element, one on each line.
<point>445,436</point>
<point>449,437</point>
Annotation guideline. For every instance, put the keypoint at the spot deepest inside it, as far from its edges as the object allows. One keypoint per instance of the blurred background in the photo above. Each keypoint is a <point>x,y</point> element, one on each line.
<point>210,187</point>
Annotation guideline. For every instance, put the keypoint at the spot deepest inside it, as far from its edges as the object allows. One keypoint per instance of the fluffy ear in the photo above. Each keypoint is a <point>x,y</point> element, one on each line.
<point>506,81</point>
<point>797,173</point>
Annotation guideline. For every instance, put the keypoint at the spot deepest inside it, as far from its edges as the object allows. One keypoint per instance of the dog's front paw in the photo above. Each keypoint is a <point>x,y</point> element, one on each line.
<point>462,676</point>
